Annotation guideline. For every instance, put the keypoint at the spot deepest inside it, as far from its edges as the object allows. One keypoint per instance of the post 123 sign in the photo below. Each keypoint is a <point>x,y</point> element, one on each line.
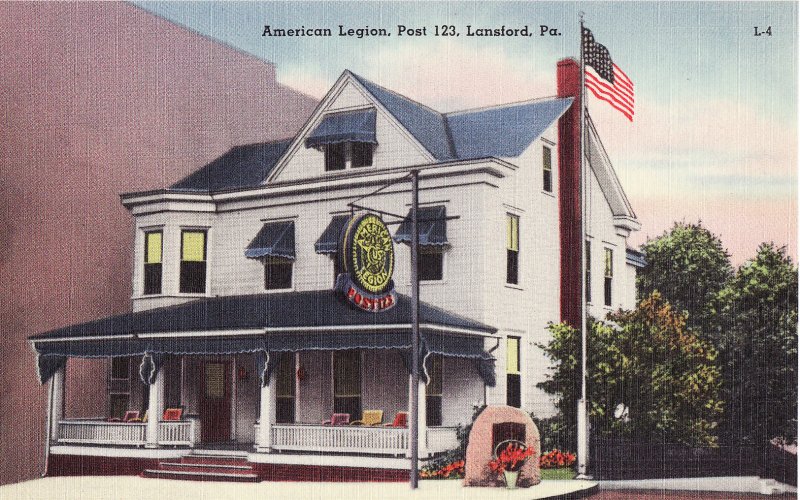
<point>366,254</point>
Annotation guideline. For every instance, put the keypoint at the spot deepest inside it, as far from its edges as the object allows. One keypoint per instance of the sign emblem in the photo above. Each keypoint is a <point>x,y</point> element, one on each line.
<point>366,251</point>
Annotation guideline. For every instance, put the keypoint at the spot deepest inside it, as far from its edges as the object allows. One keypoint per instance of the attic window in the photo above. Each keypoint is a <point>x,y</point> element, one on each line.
<point>347,139</point>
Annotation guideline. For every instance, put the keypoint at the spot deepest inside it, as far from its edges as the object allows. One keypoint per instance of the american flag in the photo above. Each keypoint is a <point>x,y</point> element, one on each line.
<point>604,78</point>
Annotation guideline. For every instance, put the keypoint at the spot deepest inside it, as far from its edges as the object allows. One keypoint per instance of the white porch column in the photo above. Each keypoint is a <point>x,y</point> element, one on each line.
<point>57,406</point>
<point>423,419</point>
<point>266,415</point>
<point>155,408</point>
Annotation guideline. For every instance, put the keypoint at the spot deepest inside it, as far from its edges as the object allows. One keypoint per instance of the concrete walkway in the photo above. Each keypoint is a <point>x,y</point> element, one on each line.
<point>736,484</point>
<point>136,488</point>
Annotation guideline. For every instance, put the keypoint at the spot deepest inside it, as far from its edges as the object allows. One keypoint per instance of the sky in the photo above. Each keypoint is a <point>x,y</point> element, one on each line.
<point>714,138</point>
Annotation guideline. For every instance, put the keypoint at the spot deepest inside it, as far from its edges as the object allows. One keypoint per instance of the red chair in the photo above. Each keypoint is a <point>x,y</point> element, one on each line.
<point>338,419</point>
<point>400,420</point>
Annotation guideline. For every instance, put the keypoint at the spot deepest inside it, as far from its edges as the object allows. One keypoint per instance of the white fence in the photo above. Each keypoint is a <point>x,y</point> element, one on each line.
<point>81,431</point>
<point>356,439</point>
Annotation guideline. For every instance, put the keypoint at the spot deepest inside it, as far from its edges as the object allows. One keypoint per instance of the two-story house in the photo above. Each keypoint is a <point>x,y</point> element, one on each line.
<point>239,341</point>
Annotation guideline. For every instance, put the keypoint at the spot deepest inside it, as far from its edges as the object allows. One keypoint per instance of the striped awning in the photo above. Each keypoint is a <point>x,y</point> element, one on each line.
<point>275,239</point>
<point>357,126</point>
<point>431,225</point>
<point>328,242</point>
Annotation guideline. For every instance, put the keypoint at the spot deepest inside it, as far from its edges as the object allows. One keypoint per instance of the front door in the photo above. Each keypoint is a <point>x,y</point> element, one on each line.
<point>215,402</point>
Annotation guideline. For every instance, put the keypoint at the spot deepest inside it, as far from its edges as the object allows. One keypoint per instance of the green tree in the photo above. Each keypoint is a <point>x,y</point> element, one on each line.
<point>646,361</point>
<point>758,349</point>
<point>689,266</point>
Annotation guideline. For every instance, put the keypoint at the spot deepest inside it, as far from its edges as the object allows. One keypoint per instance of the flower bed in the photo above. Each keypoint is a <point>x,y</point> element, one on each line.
<point>556,459</point>
<point>449,470</point>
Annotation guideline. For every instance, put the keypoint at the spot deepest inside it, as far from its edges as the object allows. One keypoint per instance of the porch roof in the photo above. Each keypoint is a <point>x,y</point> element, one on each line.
<point>312,311</point>
<point>293,321</point>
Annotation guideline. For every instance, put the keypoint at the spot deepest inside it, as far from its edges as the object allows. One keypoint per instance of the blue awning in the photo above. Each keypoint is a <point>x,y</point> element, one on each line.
<point>262,323</point>
<point>358,126</point>
<point>432,225</point>
<point>276,239</point>
<point>329,241</point>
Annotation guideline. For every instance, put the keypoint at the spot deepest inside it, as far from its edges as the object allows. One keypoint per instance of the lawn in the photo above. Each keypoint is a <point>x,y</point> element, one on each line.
<point>562,473</point>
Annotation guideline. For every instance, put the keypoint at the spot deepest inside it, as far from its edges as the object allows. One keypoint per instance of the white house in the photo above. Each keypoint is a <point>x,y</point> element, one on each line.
<point>236,322</point>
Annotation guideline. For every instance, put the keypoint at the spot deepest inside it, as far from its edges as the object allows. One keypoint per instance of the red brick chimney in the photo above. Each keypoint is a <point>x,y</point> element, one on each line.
<point>569,188</point>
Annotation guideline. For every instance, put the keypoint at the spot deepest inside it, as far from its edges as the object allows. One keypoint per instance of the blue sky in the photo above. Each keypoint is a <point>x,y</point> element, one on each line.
<point>715,134</point>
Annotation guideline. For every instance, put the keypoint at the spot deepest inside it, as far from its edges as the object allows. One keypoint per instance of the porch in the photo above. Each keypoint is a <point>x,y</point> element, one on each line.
<point>264,389</point>
<point>309,438</point>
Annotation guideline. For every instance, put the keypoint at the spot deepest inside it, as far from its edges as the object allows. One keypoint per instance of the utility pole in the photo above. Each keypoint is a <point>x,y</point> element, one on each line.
<point>414,427</point>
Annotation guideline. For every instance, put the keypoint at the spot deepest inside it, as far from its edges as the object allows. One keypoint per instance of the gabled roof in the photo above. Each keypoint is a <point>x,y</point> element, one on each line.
<point>429,127</point>
<point>241,167</point>
<point>501,131</point>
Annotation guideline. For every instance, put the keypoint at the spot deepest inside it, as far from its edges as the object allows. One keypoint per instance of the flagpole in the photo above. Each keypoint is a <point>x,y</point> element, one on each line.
<point>583,430</point>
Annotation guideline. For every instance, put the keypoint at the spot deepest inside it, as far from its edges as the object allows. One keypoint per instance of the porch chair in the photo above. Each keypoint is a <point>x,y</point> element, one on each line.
<point>400,420</point>
<point>130,416</point>
<point>369,417</point>
<point>338,419</point>
<point>140,420</point>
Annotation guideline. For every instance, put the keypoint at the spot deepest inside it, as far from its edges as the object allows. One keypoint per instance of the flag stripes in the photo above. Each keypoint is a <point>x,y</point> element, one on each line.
<point>605,79</point>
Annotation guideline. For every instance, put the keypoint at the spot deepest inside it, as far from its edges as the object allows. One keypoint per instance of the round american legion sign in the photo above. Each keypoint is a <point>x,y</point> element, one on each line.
<point>366,254</point>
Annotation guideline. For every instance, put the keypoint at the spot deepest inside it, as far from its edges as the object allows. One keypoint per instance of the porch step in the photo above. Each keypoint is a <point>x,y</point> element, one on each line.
<point>201,476</point>
<point>213,459</point>
<point>205,468</point>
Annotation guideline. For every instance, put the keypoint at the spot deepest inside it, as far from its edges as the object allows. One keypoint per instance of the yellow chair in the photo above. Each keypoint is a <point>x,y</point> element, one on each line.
<point>370,417</point>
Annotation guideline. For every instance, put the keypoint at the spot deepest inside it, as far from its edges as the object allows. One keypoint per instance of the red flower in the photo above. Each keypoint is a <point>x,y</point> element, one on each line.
<point>511,458</point>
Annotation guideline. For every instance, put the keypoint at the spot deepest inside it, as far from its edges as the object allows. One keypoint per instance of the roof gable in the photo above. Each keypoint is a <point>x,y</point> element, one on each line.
<point>505,131</point>
<point>603,170</point>
<point>429,127</point>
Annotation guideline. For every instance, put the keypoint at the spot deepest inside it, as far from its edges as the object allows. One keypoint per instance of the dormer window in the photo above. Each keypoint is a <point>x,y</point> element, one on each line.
<point>347,139</point>
<point>354,154</point>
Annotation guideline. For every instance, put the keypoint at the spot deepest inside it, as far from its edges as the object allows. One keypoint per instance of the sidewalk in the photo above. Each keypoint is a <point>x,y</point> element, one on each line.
<point>136,488</point>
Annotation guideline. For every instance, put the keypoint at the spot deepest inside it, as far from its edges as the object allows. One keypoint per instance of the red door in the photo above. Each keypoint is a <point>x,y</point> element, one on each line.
<point>215,404</point>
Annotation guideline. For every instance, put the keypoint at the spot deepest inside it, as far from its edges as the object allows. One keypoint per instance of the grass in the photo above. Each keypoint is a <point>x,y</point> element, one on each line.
<point>562,473</point>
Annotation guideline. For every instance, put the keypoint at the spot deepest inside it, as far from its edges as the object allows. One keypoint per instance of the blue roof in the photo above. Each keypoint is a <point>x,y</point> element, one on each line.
<point>503,131</point>
<point>635,258</point>
<point>429,127</point>
<point>241,167</point>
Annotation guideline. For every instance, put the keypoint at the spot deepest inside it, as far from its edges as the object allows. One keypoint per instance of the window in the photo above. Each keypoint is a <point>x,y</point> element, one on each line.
<point>356,154</point>
<point>513,384</point>
<point>152,262</point>
<point>361,154</point>
<point>588,271</point>
<point>430,263</point>
<point>119,387</point>
<point>335,156</point>
<point>193,262</point>
<point>120,368</point>
<point>433,391</point>
<point>609,275</point>
<point>347,382</point>
<point>547,169</point>
<point>512,249</point>
<point>277,273</point>
<point>285,389</point>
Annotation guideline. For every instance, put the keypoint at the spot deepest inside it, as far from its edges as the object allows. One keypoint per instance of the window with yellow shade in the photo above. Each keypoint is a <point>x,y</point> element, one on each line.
<point>153,250</point>
<point>193,261</point>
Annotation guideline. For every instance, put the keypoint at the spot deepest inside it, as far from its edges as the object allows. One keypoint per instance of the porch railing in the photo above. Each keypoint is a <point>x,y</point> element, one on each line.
<point>98,432</point>
<point>356,439</point>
